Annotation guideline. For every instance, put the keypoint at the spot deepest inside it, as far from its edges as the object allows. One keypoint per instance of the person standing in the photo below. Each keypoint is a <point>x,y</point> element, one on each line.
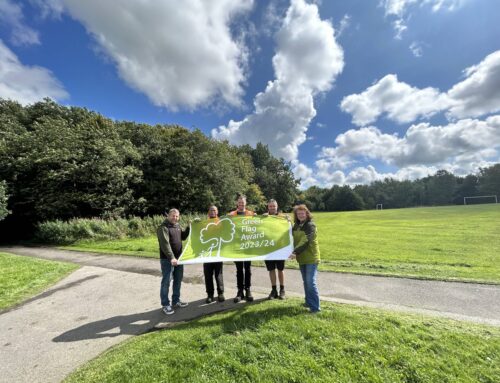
<point>243,268</point>
<point>213,269</point>
<point>306,251</point>
<point>170,237</point>
<point>272,209</point>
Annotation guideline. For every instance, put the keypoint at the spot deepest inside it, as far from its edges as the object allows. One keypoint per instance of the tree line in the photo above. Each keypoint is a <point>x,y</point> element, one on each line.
<point>59,162</point>
<point>442,188</point>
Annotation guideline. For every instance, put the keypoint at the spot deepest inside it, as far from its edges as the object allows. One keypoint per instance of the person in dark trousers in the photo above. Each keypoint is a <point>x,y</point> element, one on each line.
<point>243,268</point>
<point>170,237</point>
<point>213,269</point>
<point>272,209</point>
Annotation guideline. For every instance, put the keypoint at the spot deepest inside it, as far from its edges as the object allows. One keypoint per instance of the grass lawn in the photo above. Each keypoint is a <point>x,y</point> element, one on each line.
<point>24,277</point>
<point>446,243</point>
<point>280,342</point>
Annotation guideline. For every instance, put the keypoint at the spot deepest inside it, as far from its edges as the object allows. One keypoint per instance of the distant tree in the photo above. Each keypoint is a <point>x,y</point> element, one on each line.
<point>489,180</point>
<point>466,187</point>
<point>440,188</point>
<point>273,175</point>
<point>255,199</point>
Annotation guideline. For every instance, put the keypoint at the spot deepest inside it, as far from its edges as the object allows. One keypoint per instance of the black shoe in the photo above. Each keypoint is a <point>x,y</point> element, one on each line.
<point>273,294</point>
<point>282,294</point>
<point>209,299</point>
<point>239,296</point>
<point>221,298</point>
<point>248,296</point>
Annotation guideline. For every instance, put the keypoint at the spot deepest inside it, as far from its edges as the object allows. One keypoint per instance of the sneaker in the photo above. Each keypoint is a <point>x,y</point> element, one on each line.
<point>167,310</point>
<point>239,296</point>
<point>221,298</point>
<point>273,294</point>
<point>248,295</point>
<point>181,304</point>
<point>282,294</point>
<point>209,299</point>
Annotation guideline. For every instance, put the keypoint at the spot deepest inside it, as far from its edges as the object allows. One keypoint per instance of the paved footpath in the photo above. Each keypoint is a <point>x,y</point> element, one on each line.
<point>111,298</point>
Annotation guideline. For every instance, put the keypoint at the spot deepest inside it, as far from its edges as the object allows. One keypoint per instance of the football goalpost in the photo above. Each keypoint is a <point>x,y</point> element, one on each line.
<point>492,198</point>
<point>379,206</point>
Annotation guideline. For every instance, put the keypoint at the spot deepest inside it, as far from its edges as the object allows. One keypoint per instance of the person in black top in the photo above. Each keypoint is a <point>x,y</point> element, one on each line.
<point>170,237</point>
<point>213,269</point>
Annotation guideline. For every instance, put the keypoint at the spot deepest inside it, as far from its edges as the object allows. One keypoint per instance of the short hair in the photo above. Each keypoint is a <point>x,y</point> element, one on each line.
<point>171,211</point>
<point>241,196</point>
<point>309,216</point>
<point>272,201</point>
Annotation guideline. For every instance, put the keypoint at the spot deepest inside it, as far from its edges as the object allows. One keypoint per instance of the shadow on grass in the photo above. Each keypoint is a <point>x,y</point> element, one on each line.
<point>154,320</point>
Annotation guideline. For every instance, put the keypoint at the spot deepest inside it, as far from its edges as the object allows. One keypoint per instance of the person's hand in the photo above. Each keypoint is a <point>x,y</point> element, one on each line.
<point>196,219</point>
<point>265,214</point>
<point>288,218</point>
<point>292,256</point>
<point>173,262</point>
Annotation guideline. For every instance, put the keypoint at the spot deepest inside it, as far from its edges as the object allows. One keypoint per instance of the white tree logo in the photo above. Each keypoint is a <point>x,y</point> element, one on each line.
<point>216,234</point>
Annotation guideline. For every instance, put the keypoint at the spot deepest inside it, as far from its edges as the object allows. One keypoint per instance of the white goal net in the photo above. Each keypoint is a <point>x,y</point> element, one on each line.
<point>480,199</point>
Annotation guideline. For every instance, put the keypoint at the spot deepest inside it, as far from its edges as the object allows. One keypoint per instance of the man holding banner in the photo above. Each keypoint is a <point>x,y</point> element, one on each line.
<point>272,209</point>
<point>243,269</point>
<point>170,237</point>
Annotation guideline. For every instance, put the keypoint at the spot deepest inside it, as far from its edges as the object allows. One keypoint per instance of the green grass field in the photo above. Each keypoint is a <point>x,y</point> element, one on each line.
<point>281,342</point>
<point>24,277</point>
<point>446,243</point>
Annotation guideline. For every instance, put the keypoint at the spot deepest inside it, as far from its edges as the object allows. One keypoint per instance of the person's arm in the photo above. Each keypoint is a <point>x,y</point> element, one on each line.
<point>164,242</point>
<point>310,232</point>
<point>185,232</point>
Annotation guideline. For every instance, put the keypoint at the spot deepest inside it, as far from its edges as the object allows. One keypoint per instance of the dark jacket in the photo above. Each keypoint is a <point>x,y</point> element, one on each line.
<point>170,237</point>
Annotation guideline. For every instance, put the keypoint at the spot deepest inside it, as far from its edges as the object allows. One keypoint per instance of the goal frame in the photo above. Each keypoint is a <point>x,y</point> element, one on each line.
<point>481,196</point>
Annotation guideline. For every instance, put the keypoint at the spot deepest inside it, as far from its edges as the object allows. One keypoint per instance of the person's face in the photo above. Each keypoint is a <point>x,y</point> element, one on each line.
<point>173,216</point>
<point>301,215</point>
<point>272,208</point>
<point>241,204</point>
<point>213,212</point>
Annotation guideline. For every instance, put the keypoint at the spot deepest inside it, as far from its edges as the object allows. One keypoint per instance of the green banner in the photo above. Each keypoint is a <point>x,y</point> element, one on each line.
<point>238,238</point>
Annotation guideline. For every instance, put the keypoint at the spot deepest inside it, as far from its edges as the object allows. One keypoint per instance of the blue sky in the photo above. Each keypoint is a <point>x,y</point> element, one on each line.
<point>349,91</point>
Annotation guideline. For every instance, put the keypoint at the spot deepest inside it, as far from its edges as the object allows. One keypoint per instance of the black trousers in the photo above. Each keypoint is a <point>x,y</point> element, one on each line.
<point>243,274</point>
<point>210,270</point>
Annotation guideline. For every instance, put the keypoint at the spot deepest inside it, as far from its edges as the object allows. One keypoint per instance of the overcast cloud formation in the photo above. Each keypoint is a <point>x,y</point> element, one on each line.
<point>306,62</point>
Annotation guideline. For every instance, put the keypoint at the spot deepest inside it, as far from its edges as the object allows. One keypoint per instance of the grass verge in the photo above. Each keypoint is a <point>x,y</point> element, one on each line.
<point>281,342</point>
<point>24,277</point>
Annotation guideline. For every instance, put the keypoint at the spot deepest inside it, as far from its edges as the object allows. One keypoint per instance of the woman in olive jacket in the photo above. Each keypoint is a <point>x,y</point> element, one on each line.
<point>306,251</point>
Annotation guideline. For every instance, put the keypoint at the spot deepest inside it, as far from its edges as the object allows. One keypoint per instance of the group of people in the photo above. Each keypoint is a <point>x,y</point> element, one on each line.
<point>306,252</point>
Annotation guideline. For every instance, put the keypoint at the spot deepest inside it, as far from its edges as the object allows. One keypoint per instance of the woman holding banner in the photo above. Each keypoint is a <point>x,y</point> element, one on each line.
<point>306,251</point>
<point>213,269</point>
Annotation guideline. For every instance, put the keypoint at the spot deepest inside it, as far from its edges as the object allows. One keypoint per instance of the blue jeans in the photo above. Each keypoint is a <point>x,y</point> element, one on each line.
<point>309,273</point>
<point>167,270</point>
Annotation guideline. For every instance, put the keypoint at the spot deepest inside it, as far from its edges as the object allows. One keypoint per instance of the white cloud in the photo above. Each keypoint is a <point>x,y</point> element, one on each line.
<point>399,9</point>
<point>416,49</point>
<point>400,101</point>
<point>344,24</point>
<point>460,147</point>
<point>306,62</point>
<point>181,54</point>
<point>26,84</point>
<point>479,93</point>
<point>11,14</point>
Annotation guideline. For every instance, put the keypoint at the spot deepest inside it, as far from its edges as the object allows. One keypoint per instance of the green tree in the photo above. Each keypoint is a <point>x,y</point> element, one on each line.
<point>3,200</point>
<point>489,180</point>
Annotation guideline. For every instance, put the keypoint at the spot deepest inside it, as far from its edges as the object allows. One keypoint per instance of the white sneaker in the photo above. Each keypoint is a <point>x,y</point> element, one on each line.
<point>181,304</point>
<point>168,310</point>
